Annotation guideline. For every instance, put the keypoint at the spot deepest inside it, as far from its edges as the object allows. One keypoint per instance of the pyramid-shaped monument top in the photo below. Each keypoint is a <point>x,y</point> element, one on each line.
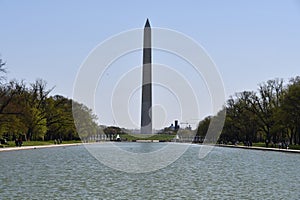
<point>147,23</point>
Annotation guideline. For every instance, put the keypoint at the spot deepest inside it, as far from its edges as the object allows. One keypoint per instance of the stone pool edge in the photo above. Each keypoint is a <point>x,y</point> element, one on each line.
<point>260,148</point>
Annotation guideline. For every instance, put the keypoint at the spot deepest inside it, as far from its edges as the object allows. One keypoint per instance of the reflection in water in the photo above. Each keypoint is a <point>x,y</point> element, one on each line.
<point>72,173</point>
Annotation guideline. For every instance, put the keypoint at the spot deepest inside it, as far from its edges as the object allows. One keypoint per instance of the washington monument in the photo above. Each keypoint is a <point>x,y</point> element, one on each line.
<point>146,114</point>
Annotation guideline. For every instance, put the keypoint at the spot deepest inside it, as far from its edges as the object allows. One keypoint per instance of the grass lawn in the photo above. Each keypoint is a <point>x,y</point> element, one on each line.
<point>162,137</point>
<point>296,147</point>
<point>262,144</point>
<point>259,144</point>
<point>38,143</point>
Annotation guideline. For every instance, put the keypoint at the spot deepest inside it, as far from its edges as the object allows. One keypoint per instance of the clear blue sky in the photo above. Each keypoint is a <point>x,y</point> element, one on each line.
<point>250,41</point>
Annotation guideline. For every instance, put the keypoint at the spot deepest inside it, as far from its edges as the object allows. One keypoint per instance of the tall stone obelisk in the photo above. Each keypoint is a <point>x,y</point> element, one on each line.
<point>146,114</point>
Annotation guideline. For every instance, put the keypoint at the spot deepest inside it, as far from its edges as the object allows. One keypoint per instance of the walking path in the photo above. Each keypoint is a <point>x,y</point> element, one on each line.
<point>260,148</point>
<point>37,147</point>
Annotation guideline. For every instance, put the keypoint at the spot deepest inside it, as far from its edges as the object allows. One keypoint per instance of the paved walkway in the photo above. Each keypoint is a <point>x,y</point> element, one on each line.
<point>261,148</point>
<point>37,147</point>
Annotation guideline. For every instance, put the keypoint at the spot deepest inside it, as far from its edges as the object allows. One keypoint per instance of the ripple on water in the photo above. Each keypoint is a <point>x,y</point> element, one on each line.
<point>72,173</point>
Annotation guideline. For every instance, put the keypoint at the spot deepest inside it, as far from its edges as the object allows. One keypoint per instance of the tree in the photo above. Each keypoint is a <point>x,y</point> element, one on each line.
<point>8,92</point>
<point>289,113</point>
<point>29,112</point>
<point>203,127</point>
<point>265,105</point>
<point>240,123</point>
<point>60,121</point>
<point>84,120</point>
<point>10,108</point>
<point>2,70</point>
<point>112,131</point>
<point>34,110</point>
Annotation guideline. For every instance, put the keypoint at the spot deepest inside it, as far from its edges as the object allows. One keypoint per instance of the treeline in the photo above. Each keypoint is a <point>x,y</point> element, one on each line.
<point>27,111</point>
<point>270,115</point>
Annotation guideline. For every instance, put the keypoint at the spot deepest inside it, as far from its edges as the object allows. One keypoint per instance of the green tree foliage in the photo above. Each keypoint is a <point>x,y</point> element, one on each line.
<point>271,115</point>
<point>112,131</point>
<point>30,113</point>
<point>203,128</point>
<point>265,105</point>
<point>34,110</point>
<point>289,113</point>
<point>60,121</point>
<point>85,120</point>
<point>10,111</point>
<point>240,123</point>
